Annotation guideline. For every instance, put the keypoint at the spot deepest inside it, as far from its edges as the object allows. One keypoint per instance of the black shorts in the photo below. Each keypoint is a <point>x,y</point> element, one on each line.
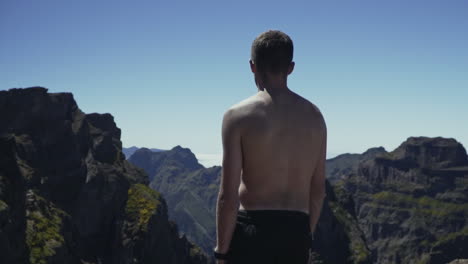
<point>271,236</point>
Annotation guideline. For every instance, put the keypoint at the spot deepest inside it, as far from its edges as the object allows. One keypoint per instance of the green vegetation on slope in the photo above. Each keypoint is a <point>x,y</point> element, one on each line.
<point>195,251</point>
<point>189,189</point>
<point>43,234</point>
<point>142,203</point>
<point>451,236</point>
<point>424,204</point>
<point>357,246</point>
<point>3,205</point>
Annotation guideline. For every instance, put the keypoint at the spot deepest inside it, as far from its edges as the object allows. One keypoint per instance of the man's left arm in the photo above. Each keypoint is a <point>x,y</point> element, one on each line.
<point>228,196</point>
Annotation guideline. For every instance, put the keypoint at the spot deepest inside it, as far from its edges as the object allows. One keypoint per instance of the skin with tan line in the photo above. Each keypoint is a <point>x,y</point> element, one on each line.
<point>274,146</point>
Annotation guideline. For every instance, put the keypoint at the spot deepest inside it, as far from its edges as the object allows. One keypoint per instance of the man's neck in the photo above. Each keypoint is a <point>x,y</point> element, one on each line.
<point>274,87</point>
<point>275,90</point>
<point>278,94</point>
<point>272,82</point>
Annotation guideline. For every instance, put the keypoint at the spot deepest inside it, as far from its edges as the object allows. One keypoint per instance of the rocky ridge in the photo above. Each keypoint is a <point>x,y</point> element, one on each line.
<point>412,203</point>
<point>67,194</point>
<point>404,206</point>
<point>189,188</point>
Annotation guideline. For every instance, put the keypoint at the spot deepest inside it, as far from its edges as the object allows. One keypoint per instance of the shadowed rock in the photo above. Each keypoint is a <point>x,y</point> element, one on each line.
<point>66,190</point>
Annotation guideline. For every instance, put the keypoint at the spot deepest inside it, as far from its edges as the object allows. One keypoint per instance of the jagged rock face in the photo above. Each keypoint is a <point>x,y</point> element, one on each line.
<point>189,188</point>
<point>148,235</point>
<point>434,153</point>
<point>412,203</point>
<point>338,238</point>
<point>64,186</point>
<point>341,166</point>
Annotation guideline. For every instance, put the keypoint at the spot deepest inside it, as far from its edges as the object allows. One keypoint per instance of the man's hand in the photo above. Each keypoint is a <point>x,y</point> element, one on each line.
<point>220,261</point>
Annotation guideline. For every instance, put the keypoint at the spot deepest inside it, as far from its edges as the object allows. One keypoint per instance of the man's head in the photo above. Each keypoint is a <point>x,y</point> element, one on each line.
<point>272,52</point>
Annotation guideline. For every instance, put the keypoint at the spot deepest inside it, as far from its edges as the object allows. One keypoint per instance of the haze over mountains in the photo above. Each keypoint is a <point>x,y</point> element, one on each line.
<point>207,160</point>
<point>68,195</point>
<point>129,151</point>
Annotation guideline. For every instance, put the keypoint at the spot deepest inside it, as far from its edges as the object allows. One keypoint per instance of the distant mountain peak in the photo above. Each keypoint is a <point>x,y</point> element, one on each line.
<point>180,148</point>
<point>28,90</point>
<point>185,156</point>
<point>374,150</point>
<point>142,150</point>
<point>436,152</point>
<point>431,140</point>
<point>131,150</point>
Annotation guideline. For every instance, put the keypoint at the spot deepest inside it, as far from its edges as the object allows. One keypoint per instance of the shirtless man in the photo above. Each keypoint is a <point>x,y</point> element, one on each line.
<point>273,170</point>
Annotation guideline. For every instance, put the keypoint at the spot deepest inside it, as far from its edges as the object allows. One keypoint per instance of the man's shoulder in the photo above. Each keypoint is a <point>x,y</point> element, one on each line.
<point>313,112</point>
<point>242,113</point>
<point>309,107</point>
<point>244,107</point>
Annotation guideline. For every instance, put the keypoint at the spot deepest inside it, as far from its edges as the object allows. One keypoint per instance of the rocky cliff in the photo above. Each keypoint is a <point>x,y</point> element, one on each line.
<point>190,190</point>
<point>67,194</point>
<point>338,237</point>
<point>412,203</point>
<point>341,166</point>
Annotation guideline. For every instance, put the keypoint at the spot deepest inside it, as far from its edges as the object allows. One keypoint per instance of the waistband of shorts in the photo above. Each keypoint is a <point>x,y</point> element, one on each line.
<point>273,214</point>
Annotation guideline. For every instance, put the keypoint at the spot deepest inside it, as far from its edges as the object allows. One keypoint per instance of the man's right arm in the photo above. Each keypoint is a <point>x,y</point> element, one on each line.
<point>317,185</point>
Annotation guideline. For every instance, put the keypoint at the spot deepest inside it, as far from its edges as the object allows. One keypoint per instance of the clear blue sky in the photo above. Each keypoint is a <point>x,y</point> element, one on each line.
<point>380,71</point>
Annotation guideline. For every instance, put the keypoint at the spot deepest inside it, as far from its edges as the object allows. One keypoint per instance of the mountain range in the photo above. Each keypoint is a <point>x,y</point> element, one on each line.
<point>69,195</point>
<point>409,205</point>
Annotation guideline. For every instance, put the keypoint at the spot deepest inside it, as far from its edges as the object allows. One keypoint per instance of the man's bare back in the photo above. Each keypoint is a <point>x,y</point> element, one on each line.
<point>273,168</point>
<point>281,138</point>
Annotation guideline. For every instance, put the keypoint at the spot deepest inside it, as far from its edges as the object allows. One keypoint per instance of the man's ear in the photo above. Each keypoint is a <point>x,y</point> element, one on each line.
<point>291,67</point>
<point>253,67</point>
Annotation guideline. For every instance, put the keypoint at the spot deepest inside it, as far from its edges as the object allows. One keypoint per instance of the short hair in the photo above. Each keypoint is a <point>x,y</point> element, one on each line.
<point>272,51</point>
